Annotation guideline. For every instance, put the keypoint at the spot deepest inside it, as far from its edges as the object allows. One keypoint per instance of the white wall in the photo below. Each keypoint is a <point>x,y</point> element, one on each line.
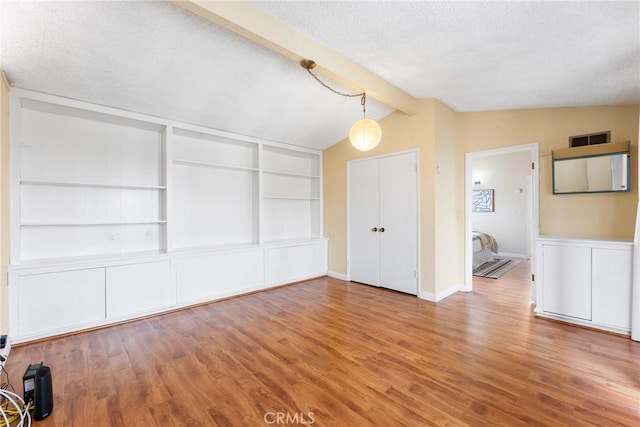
<point>507,174</point>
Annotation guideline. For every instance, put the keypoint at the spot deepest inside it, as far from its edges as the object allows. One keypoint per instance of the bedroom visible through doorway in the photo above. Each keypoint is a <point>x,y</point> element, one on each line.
<point>501,200</point>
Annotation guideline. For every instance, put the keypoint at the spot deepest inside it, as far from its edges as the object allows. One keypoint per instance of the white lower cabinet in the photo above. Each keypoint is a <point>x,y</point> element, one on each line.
<point>566,281</point>
<point>202,278</point>
<point>54,302</point>
<point>611,276</point>
<point>47,299</point>
<point>585,281</point>
<point>297,262</point>
<point>138,288</point>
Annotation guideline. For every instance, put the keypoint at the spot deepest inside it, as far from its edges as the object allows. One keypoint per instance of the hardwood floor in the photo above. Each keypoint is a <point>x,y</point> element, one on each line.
<point>326,352</point>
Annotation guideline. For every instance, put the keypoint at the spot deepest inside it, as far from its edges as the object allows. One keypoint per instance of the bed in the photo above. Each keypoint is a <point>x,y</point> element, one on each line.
<point>484,246</point>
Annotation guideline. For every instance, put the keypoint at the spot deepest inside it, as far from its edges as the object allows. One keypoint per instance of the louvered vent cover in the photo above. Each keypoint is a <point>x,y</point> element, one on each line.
<point>590,139</point>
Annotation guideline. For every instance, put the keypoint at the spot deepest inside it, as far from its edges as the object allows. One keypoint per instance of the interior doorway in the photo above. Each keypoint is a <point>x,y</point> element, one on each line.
<point>531,189</point>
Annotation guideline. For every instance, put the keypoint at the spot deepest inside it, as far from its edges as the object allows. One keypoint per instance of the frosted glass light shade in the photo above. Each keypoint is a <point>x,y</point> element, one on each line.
<point>365,134</point>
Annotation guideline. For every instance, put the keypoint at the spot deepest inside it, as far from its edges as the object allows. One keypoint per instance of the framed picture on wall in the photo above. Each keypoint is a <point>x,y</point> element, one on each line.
<point>482,200</point>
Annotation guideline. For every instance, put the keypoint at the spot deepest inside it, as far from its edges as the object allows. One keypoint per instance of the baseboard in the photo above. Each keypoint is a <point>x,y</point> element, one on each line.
<point>339,276</point>
<point>512,255</point>
<point>439,296</point>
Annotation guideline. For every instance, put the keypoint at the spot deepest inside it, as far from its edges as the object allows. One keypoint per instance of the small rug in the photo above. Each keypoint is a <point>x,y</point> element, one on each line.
<point>496,268</point>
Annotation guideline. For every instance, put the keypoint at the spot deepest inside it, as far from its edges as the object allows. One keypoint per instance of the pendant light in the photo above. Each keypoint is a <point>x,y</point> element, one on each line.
<point>365,134</point>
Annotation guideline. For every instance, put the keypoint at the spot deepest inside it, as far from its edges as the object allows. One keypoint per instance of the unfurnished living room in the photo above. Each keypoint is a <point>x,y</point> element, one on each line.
<point>327,213</point>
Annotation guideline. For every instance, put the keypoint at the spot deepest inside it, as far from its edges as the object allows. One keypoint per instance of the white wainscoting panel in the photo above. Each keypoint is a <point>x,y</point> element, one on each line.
<point>208,277</point>
<point>292,263</point>
<point>138,288</point>
<point>50,302</point>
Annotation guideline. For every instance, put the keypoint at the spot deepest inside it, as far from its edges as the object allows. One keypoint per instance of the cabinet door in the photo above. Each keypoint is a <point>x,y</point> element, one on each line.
<point>364,206</point>
<point>219,275</point>
<point>566,280</point>
<point>292,263</point>
<point>60,301</point>
<point>612,287</point>
<point>138,288</point>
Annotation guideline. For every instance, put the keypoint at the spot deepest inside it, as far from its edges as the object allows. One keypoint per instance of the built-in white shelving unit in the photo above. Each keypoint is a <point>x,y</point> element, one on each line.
<point>132,214</point>
<point>291,194</point>
<point>215,187</point>
<point>83,176</point>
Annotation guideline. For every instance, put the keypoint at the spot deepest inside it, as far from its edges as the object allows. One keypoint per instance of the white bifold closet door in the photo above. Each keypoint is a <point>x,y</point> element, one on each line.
<point>383,222</point>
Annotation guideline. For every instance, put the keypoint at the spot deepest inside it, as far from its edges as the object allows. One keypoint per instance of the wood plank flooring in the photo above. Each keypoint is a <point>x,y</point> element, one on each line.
<point>330,353</point>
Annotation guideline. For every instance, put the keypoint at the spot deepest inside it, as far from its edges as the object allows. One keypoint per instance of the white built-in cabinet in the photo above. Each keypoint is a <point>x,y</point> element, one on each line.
<point>585,281</point>
<point>115,215</point>
<point>87,185</point>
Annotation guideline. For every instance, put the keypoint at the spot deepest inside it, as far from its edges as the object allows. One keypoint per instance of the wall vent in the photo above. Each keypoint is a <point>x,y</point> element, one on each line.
<point>590,139</point>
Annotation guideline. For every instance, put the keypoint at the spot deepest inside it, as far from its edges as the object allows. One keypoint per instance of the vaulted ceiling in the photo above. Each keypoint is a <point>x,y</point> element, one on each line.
<point>161,59</point>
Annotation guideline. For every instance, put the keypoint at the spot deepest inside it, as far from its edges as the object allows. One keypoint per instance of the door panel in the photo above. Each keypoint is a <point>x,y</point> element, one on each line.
<point>566,280</point>
<point>363,216</point>
<point>398,217</point>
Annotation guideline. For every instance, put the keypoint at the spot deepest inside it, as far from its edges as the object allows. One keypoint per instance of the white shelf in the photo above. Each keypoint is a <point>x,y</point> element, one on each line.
<point>291,174</point>
<point>89,223</point>
<point>84,177</point>
<point>290,198</point>
<point>212,165</point>
<point>90,185</point>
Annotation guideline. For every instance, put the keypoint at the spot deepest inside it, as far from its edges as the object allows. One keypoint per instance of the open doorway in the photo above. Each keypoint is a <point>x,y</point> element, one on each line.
<point>505,204</point>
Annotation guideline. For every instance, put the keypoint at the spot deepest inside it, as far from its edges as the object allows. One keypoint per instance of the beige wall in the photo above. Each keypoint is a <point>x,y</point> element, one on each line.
<point>608,215</point>
<point>449,206</point>
<point>443,137</point>
<point>4,201</point>
<point>436,146</point>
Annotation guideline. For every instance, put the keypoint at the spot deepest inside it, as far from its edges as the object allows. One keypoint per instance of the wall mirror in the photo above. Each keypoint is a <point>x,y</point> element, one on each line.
<point>594,169</point>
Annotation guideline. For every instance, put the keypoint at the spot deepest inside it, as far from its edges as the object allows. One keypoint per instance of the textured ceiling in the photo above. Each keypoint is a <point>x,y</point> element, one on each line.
<point>158,59</point>
<point>478,56</point>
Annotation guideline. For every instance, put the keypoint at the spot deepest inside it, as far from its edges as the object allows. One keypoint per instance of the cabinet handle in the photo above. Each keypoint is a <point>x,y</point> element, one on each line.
<point>382,229</point>
<point>374,229</point>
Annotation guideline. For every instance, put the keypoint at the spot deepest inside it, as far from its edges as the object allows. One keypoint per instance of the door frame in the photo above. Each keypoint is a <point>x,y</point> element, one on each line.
<point>533,149</point>
<point>380,156</point>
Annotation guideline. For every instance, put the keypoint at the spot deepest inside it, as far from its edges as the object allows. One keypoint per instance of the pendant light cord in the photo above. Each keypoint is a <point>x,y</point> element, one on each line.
<point>363,95</point>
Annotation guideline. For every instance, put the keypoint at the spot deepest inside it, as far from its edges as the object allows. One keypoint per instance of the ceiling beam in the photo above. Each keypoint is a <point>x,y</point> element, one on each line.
<point>253,23</point>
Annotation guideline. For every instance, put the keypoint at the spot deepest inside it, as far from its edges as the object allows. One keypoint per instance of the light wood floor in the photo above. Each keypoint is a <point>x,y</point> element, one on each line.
<point>349,354</point>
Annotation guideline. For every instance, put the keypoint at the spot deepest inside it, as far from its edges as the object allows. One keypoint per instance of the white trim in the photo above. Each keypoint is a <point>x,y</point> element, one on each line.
<point>533,149</point>
<point>260,232</point>
<point>15,126</point>
<point>577,321</point>
<point>439,296</point>
<point>321,196</point>
<point>339,276</point>
<point>635,287</point>
<point>512,255</point>
<point>167,152</point>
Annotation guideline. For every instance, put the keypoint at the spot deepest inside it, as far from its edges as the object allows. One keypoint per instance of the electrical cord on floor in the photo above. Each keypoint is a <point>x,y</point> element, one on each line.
<point>7,384</point>
<point>13,409</point>
<point>12,406</point>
